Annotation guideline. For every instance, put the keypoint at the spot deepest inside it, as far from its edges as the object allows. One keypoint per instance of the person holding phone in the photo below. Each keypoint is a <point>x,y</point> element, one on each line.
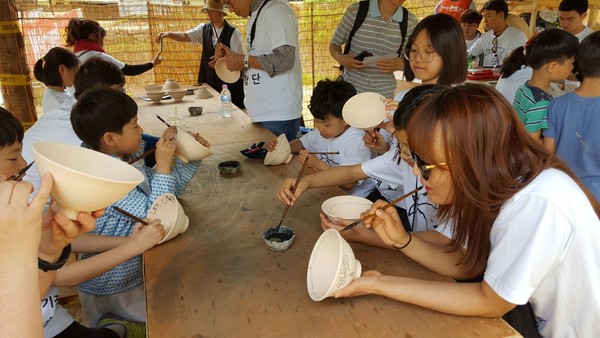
<point>394,24</point>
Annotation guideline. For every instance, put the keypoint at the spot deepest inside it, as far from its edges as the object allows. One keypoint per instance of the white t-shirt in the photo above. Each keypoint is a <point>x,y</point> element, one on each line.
<point>195,34</point>
<point>508,86</point>
<point>53,99</point>
<point>585,32</point>
<point>85,55</point>
<point>394,180</point>
<point>545,249</point>
<point>55,317</point>
<point>54,125</point>
<point>277,98</point>
<point>352,151</point>
<point>471,42</point>
<point>510,39</point>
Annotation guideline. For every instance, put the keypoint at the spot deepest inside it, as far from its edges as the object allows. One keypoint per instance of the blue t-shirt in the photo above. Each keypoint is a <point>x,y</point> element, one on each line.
<point>573,123</point>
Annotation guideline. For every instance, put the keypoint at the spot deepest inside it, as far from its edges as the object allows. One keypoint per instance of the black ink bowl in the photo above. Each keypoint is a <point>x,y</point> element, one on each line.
<point>229,167</point>
<point>279,238</point>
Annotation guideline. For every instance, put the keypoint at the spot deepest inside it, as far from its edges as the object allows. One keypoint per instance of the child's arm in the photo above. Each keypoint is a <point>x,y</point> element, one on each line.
<point>142,239</point>
<point>329,178</point>
<point>313,161</point>
<point>296,145</point>
<point>90,243</point>
<point>550,144</point>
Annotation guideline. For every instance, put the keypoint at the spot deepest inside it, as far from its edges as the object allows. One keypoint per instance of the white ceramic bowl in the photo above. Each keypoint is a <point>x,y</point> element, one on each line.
<point>365,110</point>
<point>170,84</point>
<point>282,153</point>
<point>155,96</point>
<point>84,179</point>
<point>177,94</point>
<point>153,88</point>
<point>225,74</point>
<point>203,92</point>
<point>188,149</point>
<point>346,206</point>
<point>331,267</point>
<point>171,215</point>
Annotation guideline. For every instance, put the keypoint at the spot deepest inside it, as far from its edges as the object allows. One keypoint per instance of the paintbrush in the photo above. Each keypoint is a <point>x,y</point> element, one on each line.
<point>21,173</point>
<point>163,121</point>
<point>135,218</point>
<point>324,152</point>
<point>369,216</point>
<point>287,207</point>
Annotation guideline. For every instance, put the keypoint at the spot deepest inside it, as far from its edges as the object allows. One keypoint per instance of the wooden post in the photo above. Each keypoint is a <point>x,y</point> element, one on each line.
<point>14,73</point>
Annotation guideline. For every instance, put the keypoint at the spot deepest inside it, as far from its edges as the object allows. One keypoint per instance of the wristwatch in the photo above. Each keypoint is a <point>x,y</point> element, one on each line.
<point>246,60</point>
<point>45,265</point>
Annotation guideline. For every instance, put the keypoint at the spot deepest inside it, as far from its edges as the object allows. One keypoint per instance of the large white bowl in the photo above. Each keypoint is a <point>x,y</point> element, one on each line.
<point>171,215</point>
<point>282,153</point>
<point>177,94</point>
<point>188,149</point>
<point>365,110</point>
<point>155,96</point>
<point>346,206</point>
<point>84,179</point>
<point>225,74</point>
<point>331,267</point>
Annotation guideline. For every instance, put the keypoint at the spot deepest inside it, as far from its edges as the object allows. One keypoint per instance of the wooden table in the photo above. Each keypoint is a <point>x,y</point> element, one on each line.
<point>211,124</point>
<point>219,279</point>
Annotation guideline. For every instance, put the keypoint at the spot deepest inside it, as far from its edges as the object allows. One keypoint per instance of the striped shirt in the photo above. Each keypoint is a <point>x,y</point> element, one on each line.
<point>378,37</point>
<point>531,104</point>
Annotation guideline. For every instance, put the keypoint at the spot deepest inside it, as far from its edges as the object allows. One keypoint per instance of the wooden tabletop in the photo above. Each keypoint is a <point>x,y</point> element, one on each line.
<point>219,279</point>
<point>211,124</point>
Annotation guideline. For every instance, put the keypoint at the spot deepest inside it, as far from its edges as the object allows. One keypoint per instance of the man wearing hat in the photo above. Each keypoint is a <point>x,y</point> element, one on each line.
<point>273,75</point>
<point>208,34</point>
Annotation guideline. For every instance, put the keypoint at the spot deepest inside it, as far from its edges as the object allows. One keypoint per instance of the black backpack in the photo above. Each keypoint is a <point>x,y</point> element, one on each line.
<point>363,8</point>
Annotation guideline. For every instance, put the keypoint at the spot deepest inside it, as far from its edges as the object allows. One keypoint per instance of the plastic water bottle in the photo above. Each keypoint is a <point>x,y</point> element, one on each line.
<point>469,61</point>
<point>226,101</point>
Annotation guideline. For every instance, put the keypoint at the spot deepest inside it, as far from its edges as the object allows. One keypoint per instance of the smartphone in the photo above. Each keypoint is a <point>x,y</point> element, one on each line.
<point>363,55</point>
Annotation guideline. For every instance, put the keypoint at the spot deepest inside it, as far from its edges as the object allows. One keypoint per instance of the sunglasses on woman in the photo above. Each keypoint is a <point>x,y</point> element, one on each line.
<point>424,167</point>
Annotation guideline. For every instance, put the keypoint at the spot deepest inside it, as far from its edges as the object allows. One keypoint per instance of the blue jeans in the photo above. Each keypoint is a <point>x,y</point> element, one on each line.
<point>289,128</point>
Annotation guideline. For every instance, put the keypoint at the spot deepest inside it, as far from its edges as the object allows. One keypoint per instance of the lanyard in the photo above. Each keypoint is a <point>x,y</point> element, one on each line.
<point>253,29</point>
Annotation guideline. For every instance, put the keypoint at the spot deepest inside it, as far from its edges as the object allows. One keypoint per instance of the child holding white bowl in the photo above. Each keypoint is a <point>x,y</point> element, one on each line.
<point>106,120</point>
<point>332,135</point>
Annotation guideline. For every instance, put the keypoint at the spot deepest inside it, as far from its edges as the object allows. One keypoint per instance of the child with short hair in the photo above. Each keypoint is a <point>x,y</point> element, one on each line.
<point>56,70</point>
<point>391,173</point>
<point>470,21</point>
<point>551,55</point>
<point>333,134</point>
<point>106,120</point>
<point>573,119</point>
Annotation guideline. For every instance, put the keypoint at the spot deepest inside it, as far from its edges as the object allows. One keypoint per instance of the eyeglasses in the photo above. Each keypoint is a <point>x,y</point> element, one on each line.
<point>425,55</point>
<point>424,167</point>
<point>394,143</point>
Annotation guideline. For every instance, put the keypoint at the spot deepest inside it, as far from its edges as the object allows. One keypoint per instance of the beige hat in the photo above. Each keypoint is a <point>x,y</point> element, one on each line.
<point>214,5</point>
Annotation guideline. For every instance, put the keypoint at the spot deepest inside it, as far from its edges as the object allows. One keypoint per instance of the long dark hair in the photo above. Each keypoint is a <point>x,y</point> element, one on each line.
<point>448,41</point>
<point>490,158</point>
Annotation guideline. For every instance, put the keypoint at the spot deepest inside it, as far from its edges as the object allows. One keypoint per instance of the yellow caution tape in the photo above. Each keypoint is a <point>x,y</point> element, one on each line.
<point>10,27</point>
<point>15,79</point>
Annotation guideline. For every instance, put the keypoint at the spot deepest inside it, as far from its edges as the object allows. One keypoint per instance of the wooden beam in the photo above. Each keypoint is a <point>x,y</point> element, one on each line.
<point>14,72</point>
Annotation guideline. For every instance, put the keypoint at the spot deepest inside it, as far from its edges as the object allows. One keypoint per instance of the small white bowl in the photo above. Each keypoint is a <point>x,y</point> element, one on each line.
<point>177,94</point>
<point>203,92</point>
<point>171,215</point>
<point>282,153</point>
<point>346,207</point>
<point>84,179</point>
<point>170,84</point>
<point>188,149</point>
<point>365,110</point>
<point>155,96</point>
<point>331,266</point>
<point>225,74</point>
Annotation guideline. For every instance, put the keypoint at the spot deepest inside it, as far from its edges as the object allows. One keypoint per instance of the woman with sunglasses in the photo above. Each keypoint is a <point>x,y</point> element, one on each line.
<point>519,217</point>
